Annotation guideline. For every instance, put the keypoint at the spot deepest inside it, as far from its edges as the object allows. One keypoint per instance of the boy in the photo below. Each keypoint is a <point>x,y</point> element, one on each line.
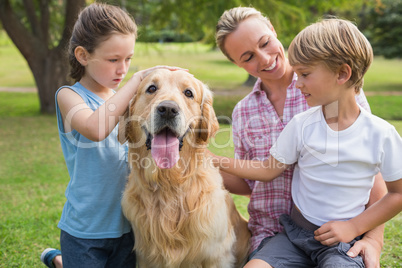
<point>338,148</point>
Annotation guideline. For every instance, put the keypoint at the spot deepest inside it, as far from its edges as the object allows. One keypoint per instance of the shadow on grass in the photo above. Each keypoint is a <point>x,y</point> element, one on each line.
<point>19,104</point>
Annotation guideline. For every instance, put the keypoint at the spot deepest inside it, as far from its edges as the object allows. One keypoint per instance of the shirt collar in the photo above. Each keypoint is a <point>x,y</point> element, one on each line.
<point>257,86</point>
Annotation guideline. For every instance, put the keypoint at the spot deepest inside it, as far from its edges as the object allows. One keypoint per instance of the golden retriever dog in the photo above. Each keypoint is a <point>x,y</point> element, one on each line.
<point>175,200</point>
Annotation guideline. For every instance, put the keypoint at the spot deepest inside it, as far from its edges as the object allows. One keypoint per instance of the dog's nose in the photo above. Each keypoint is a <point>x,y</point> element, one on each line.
<point>168,109</point>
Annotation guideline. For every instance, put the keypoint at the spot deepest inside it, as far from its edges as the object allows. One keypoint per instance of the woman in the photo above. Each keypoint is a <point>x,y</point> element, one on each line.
<point>249,40</point>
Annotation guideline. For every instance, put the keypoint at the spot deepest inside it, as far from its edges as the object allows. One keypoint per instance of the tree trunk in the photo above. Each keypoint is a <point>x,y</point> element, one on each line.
<point>50,72</point>
<point>49,66</point>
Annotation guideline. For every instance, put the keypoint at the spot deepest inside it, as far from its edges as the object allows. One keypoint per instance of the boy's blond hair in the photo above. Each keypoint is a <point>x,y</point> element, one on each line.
<point>333,42</point>
<point>230,20</point>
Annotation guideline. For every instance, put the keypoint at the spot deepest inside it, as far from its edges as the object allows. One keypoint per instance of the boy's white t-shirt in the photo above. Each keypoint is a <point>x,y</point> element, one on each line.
<point>335,170</point>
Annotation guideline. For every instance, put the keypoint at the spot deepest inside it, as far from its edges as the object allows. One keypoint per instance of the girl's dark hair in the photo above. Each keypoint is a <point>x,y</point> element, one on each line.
<point>94,25</point>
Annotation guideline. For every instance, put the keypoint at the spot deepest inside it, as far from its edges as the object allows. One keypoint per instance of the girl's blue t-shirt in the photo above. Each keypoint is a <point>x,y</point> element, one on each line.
<point>98,173</point>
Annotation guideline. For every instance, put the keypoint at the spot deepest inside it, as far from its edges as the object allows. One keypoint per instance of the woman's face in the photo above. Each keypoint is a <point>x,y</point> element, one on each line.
<point>254,47</point>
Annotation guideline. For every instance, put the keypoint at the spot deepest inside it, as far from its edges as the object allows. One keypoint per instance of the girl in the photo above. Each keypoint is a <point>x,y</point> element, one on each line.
<point>94,232</point>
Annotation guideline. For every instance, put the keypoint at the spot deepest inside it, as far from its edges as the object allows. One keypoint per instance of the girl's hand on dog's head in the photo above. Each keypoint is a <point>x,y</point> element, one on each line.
<point>142,74</point>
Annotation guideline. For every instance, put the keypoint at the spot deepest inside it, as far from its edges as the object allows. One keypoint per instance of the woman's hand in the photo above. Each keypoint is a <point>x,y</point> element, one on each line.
<point>369,249</point>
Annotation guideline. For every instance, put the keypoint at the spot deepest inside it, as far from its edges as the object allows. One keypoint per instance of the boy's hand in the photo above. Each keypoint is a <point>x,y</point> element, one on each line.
<point>333,232</point>
<point>214,158</point>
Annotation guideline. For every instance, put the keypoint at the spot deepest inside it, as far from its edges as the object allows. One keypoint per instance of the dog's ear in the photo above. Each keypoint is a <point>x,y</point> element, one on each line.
<point>209,124</point>
<point>123,124</point>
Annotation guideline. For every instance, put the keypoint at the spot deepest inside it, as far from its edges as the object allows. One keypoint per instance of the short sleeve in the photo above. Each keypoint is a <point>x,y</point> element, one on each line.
<point>286,148</point>
<point>391,155</point>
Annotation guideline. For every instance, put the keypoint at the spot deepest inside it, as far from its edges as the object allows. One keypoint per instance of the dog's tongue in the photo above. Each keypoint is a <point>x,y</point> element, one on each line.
<point>165,149</point>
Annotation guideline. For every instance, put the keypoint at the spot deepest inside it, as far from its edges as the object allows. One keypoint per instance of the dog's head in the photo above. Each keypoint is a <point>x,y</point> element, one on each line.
<point>171,110</point>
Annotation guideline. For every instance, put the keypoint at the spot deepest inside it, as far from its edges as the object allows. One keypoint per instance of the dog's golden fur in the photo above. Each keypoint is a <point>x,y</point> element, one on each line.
<point>181,216</point>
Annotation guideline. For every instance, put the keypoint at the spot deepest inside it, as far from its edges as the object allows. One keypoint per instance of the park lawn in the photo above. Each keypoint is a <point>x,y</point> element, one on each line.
<point>33,178</point>
<point>33,175</point>
<point>200,59</point>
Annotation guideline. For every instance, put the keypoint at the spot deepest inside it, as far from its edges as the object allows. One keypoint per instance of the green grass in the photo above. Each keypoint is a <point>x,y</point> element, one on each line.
<point>211,67</point>
<point>19,104</point>
<point>206,64</point>
<point>14,71</point>
<point>384,75</point>
<point>198,58</point>
<point>33,175</point>
<point>33,178</point>
<point>386,107</point>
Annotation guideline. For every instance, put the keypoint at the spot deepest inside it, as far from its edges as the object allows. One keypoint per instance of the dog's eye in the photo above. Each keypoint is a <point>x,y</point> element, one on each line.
<point>151,89</point>
<point>188,93</point>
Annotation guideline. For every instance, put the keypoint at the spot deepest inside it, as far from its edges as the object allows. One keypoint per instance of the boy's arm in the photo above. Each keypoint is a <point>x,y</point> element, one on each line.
<point>390,205</point>
<point>266,170</point>
<point>235,185</point>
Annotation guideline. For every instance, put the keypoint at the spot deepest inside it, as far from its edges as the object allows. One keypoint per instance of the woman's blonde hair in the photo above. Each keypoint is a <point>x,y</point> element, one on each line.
<point>230,20</point>
<point>333,42</point>
<point>94,25</point>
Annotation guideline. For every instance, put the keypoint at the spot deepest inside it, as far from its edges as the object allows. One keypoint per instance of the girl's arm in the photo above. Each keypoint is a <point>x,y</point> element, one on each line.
<point>97,125</point>
<point>266,170</point>
<point>385,209</point>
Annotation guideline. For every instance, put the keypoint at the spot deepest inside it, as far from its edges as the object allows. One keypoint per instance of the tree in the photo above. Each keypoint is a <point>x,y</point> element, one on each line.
<point>385,31</point>
<point>288,17</point>
<point>41,30</point>
<point>195,16</point>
